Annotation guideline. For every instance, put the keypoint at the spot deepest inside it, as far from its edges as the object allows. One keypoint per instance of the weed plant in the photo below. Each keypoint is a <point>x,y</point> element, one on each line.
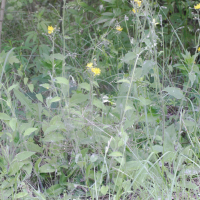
<point>106,107</point>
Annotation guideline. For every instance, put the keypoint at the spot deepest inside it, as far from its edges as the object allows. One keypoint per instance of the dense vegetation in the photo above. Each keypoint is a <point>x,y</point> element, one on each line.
<point>100,100</point>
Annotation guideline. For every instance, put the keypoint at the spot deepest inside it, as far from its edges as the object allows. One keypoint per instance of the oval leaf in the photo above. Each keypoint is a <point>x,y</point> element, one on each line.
<point>53,137</point>
<point>15,167</point>
<point>29,131</point>
<point>116,154</point>
<point>104,189</point>
<point>55,99</point>
<point>62,80</point>
<point>4,116</point>
<point>47,168</point>
<point>24,155</point>
<point>175,92</point>
<point>20,195</point>
<point>39,97</point>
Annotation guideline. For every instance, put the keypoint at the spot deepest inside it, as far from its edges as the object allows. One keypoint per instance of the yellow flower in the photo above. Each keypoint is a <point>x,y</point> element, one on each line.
<point>138,2</point>
<point>89,65</point>
<point>197,6</point>
<point>119,28</point>
<point>96,71</point>
<point>133,10</point>
<point>198,49</point>
<point>50,29</point>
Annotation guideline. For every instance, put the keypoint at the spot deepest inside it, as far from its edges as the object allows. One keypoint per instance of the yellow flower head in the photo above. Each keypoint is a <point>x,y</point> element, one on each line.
<point>50,29</point>
<point>138,2</point>
<point>89,65</point>
<point>197,6</point>
<point>133,10</point>
<point>198,49</point>
<point>119,28</point>
<point>96,71</point>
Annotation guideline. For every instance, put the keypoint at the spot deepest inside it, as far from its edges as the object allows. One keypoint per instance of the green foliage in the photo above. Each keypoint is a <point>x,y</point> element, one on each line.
<point>131,132</point>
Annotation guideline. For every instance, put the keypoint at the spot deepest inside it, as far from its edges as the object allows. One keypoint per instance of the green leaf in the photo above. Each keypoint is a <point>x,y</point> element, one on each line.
<point>126,185</point>
<point>10,9</point>
<point>101,20</point>
<point>79,98</point>
<point>108,14</point>
<point>133,165</point>
<point>81,164</point>
<point>4,116</point>
<point>58,56</point>
<point>188,58</point>
<point>129,108</point>
<point>31,87</point>
<point>62,80</point>
<point>23,99</point>
<point>117,12</point>
<point>96,84</point>
<point>10,136</point>
<point>130,56</point>
<point>85,86</point>
<point>37,164</point>
<point>55,99</point>
<point>110,1</point>
<point>147,66</point>
<point>124,81</point>
<point>192,77</point>
<point>29,131</point>
<point>34,147</point>
<point>144,102</point>
<point>56,190</point>
<point>1,133</point>
<point>120,160</point>
<point>21,195</point>
<point>104,189</point>
<point>116,154</point>
<point>14,168</point>
<point>47,168</point>
<point>157,148</point>
<point>13,59</point>
<point>28,168</point>
<point>19,4</point>
<point>9,16</point>
<point>187,184</point>
<point>53,137</point>
<point>12,87</point>
<point>180,66</point>
<point>98,103</point>
<point>93,158</point>
<point>45,85</point>
<point>51,128</point>
<point>67,37</point>
<point>39,97</point>
<point>23,155</point>
<point>175,92</point>
<point>13,123</point>
<point>25,80</point>
<point>170,137</point>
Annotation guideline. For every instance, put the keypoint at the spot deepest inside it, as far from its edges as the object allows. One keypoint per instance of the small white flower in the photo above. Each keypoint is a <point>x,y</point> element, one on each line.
<point>132,41</point>
<point>126,18</point>
<point>154,22</point>
<point>101,7</point>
